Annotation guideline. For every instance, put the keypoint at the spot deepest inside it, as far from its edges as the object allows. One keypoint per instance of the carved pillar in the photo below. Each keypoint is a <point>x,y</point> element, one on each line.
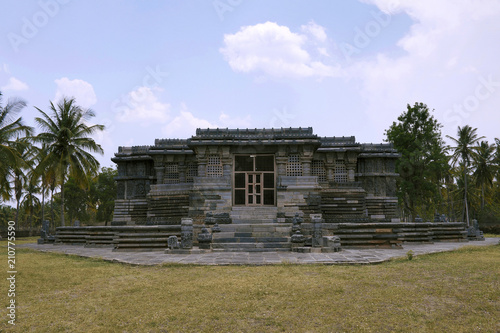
<point>227,162</point>
<point>186,233</point>
<point>160,171</point>
<point>159,168</point>
<point>307,156</point>
<point>202,161</point>
<point>330,167</point>
<point>182,172</point>
<point>281,160</point>
<point>351,163</point>
<point>351,170</point>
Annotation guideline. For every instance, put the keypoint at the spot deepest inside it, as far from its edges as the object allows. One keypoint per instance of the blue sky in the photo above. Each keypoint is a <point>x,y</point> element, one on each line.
<point>160,69</point>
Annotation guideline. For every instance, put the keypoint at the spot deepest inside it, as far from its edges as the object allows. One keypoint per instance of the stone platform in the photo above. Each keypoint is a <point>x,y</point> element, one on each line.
<point>345,257</point>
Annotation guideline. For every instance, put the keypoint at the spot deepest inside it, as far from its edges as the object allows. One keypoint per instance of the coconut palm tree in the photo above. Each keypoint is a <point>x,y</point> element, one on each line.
<point>496,159</point>
<point>30,200</point>
<point>69,145</point>
<point>21,170</point>
<point>47,173</point>
<point>10,129</point>
<point>484,165</point>
<point>464,152</point>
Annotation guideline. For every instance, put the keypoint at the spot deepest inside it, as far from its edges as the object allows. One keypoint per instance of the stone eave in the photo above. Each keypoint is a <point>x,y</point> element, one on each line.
<point>171,152</point>
<point>382,154</point>
<point>255,142</point>
<point>338,149</point>
<point>121,158</point>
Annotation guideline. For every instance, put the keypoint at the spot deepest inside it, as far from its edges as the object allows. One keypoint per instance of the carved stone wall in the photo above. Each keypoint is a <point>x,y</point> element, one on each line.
<point>335,176</point>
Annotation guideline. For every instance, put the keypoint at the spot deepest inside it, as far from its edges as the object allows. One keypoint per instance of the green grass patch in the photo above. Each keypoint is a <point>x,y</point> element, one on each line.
<point>445,292</point>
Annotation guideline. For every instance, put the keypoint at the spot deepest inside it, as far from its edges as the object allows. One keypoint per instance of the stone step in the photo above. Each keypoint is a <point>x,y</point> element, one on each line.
<point>251,247</point>
<point>251,227</point>
<point>254,214</point>
<point>254,208</point>
<point>253,250</point>
<point>222,235</point>
<point>251,240</point>
<point>257,220</point>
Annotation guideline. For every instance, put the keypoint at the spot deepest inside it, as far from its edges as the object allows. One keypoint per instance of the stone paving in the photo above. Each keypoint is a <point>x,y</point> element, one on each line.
<point>345,257</point>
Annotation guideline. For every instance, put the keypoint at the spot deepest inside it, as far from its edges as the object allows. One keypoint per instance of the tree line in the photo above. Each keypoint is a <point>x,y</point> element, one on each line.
<point>461,180</point>
<point>60,157</point>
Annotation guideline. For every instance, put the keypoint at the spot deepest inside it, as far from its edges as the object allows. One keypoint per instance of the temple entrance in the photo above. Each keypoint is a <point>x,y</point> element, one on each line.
<point>254,180</point>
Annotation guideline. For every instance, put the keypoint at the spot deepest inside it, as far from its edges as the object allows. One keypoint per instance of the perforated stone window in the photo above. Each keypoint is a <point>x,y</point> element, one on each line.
<point>171,173</point>
<point>191,172</point>
<point>318,169</point>
<point>340,172</point>
<point>214,166</point>
<point>294,166</point>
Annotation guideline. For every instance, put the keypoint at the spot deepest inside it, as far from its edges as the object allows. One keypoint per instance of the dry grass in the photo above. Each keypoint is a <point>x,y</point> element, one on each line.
<point>447,292</point>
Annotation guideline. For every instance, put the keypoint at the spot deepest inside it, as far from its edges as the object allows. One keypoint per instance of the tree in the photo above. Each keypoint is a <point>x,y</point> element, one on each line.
<point>7,214</point>
<point>76,201</point>
<point>21,170</point>
<point>10,129</point>
<point>48,177</point>
<point>464,152</point>
<point>104,194</point>
<point>496,160</point>
<point>483,163</point>
<point>68,141</point>
<point>30,200</point>
<point>423,163</point>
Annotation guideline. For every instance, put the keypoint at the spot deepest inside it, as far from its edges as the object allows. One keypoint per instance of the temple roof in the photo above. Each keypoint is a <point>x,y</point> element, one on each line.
<point>254,133</point>
<point>264,136</point>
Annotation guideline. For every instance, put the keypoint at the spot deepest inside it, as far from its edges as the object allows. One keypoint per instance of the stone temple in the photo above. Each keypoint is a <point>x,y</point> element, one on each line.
<point>255,174</point>
<point>258,190</point>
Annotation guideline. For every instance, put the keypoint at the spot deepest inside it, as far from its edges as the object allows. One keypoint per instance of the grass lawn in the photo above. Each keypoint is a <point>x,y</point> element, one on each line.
<point>446,292</point>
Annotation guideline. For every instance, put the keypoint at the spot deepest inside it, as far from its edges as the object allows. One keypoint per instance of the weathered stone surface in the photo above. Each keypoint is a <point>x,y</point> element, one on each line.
<point>331,244</point>
<point>173,242</point>
<point>304,175</point>
<point>187,233</point>
<point>204,236</point>
<point>45,236</point>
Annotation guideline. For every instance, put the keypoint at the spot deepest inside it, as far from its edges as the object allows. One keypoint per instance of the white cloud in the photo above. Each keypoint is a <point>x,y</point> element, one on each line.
<point>5,68</point>
<point>185,124</point>
<point>449,47</point>
<point>315,30</point>
<point>226,120</point>
<point>276,51</point>
<point>81,90</point>
<point>15,85</point>
<point>143,106</point>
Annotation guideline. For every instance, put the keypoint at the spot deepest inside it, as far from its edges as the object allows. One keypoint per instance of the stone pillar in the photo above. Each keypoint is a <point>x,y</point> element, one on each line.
<point>330,167</point>
<point>159,174</point>
<point>306,166</point>
<point>227,167</point>
<point>281,165</point>
<point>330,172</point>
<point>227,161</point>
<point>350,164</point>
<point>182,172</point>
<point>202,168</point>
<point>351,170</point>
<point>306,158</point>
<point>186,233</point>
<point>317,221</point>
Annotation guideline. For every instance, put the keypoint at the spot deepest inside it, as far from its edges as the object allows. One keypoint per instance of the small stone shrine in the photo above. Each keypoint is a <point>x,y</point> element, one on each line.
<point>473,232</point>
<point>45,236</point>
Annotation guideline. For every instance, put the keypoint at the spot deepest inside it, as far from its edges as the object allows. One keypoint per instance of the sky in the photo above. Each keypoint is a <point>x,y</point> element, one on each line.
<point>161,69</point>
